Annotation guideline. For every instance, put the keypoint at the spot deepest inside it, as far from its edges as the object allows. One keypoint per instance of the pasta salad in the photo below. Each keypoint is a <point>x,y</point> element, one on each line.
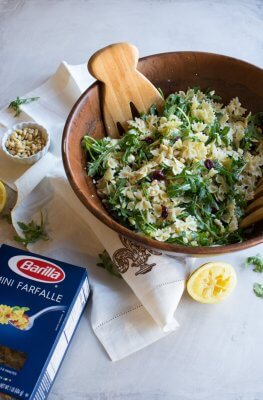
<point>183,175</point>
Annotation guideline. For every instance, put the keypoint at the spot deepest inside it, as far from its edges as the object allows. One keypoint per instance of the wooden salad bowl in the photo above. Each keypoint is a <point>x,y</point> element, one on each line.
<point>171,72</point>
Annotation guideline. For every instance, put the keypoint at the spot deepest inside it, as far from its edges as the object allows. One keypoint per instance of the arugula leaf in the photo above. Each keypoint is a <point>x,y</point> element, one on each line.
<point>32,232</point>
<point>258,289</point>
<point>224,137</point>
<point>232,172</point>
<point>211,96</point>
<point>217,134</point>
<point>15,104</point>
<point>98,151</point>
<point>177,105</point>
<point>256,261</point>
<point>257,119</point>
<point>178,189</point>
<point>153,110</point>
<point>107,264</point>
<point>252,133</point>
<point>161,92</point>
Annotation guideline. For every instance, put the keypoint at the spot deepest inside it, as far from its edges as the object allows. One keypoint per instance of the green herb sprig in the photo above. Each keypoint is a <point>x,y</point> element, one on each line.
<point>32,232</point>
<point>258,289</point>
<point>107,264</point>
<point>257,262</point>
<point>15,104</point>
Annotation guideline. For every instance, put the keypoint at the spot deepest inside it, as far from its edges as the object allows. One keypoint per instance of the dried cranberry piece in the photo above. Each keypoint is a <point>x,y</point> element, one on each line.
<point>132,165</point>
<point>148,140</point>
<point>209,163</point>
<point>158,175</point>
<point>164,212</point>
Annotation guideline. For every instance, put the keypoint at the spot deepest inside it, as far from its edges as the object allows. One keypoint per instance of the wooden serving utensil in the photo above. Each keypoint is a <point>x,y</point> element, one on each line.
<point>124,87</point>
<point>254,210</point>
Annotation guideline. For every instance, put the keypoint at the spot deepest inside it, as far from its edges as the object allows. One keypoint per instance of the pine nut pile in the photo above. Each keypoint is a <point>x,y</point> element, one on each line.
<point>25,142</point>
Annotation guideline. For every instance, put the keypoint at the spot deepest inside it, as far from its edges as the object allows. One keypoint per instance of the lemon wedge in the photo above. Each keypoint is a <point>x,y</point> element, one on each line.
<point>3,196</point>
<point>212,282</point>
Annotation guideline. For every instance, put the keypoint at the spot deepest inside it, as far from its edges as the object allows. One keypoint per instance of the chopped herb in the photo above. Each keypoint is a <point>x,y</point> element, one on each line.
<point>258,289</point>
<point>32,232</point>
<point>15,104</point>
<point>256,261</point>
<point>107,264</point>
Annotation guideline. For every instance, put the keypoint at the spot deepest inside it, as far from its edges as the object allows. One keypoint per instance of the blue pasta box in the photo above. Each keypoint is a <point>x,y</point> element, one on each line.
<point>41,302</point>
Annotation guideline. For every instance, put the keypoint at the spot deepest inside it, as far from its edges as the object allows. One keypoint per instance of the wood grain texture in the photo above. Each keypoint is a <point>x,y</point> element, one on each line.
<point>259,192</point>
<point>229,77</point>
<point>116,67</point>
<point>252,218</point>
<point>255,205</point>
<point>254,210</point>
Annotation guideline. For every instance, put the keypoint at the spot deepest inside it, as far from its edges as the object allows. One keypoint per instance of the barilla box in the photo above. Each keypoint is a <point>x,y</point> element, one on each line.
<point>41,302</point>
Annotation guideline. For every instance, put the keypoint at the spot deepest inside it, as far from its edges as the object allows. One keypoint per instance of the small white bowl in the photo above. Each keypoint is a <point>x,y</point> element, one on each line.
<point>35,157</point>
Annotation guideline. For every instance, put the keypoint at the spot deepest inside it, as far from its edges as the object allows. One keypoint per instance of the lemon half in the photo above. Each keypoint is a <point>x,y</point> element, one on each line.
<point>2,196</point>
<point>212,282</point>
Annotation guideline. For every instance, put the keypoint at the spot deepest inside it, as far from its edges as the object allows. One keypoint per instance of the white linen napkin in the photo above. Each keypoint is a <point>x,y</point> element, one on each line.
<point>127,314</point>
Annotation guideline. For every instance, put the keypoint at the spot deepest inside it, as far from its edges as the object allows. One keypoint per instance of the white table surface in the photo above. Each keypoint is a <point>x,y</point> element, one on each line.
<point>217,352</point>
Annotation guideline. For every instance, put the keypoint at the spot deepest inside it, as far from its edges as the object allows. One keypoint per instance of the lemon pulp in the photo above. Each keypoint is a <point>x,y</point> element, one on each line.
<point>2,196</point>
<point>212,282</point>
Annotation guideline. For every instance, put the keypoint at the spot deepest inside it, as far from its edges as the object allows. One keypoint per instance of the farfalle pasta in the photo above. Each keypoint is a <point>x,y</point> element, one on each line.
<point>14,315</point>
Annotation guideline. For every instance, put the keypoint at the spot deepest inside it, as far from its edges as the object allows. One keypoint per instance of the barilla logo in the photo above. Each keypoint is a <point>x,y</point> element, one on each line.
<point>37,269</point>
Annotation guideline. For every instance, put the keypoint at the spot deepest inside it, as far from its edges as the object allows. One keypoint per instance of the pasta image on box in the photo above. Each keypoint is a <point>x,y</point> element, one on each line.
<point>41,302</point>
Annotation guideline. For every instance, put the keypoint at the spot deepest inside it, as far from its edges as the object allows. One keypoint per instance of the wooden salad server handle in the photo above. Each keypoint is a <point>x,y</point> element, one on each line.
<point>252,218</point>
<point>259,191</point>
<point>116,67</point>
<point>254,210</point>
<point>257,203</point>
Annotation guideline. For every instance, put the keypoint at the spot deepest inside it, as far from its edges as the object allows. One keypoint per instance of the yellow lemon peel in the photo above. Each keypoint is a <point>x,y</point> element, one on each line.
<point>3,196</point>
<point>212,282</point>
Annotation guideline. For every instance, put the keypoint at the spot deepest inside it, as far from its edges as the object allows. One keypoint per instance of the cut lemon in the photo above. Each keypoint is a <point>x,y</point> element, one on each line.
<point>212,282</point>
<point>2,196</point>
